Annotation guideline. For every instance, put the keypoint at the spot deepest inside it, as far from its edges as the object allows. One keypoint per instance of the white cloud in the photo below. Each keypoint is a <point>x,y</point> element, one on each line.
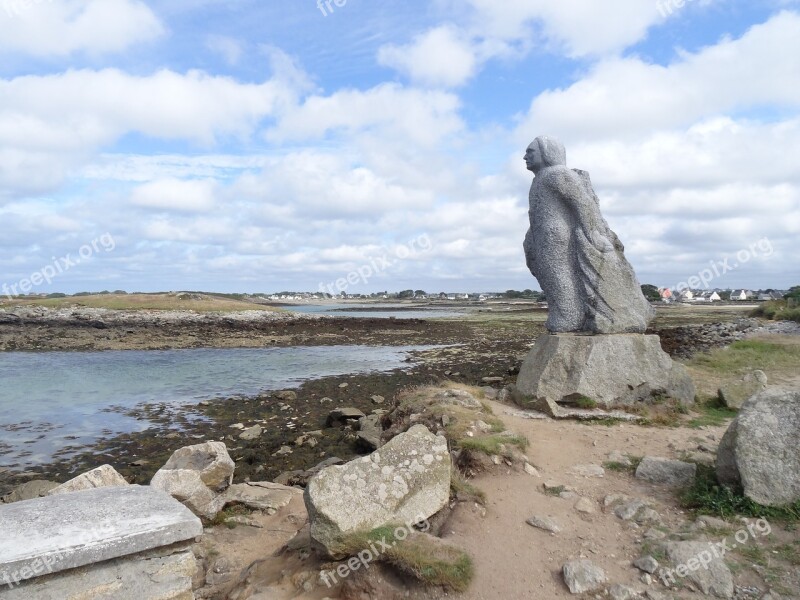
<point>176,194</point>
<point>229,48</point>
<point>440,57</point>
<point>420,117</point>
<point>63,27</point>
<point>580,27</point>
<point>758,70</point>
<point>50,124</point>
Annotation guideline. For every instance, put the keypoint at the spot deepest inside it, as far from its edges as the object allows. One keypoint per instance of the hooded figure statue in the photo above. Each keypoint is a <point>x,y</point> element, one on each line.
<point>580,263</point>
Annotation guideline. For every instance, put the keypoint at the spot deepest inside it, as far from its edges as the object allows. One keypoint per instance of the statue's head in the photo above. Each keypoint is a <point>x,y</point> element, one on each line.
<point>545,152</point>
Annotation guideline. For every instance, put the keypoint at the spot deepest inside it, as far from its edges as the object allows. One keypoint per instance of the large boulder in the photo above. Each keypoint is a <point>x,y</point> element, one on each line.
<point>406,481</point>
<point>759,451</point>
<point>735,394</point>
<point>609,369</point>
<point>188,488</point>
<point>211,460</point>
<point>105,476</point>
<point>197,476</point>
<point>37,488</point>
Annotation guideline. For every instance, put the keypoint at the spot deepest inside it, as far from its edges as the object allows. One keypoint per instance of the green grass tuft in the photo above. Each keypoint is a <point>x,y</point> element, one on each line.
<point>712,412</point>
<point>585,402</point>
<point>492,444</point>
<point>706,496</point>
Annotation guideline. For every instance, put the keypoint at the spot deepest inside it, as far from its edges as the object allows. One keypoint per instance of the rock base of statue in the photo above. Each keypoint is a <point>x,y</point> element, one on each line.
<point>611,370</point>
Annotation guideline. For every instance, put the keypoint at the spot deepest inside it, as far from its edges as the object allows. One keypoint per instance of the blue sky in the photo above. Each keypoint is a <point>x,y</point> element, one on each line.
<point>256,146</point>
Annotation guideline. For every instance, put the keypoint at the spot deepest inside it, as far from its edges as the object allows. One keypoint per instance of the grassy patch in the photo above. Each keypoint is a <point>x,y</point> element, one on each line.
<point>747,355</point>
<point>492,444</point>
<point>235,510</point>
<point>433,563</point>
<point>464,490</point>
<point>554,491</point>
<point>789,553</point>
<point>621,467</point>
<point>706,496</point>
<point>429,560</point>
<point>585,402</point>
<point>655,550</point>
<point>712,412</point>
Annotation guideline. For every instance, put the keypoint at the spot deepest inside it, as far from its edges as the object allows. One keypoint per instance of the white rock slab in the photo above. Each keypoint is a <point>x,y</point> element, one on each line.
<point>56,533</point>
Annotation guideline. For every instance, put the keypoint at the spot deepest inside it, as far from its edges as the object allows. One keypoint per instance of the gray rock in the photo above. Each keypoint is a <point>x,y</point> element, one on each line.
<point>618,457</point>
<point>531,470</point>
<point>585,506</point>
<point>697,562</point>
<point>251,433</point>
<point>341,416</point>
<point>211,460</point>
<point>544,523</point>
<point>588,471</point>
<point>369,432</point>
<point>105,476</point>
<point>378,399</point>
<point>735,394</point>
<point>579,262</point>
<point>406,481</point>
<point>666,472</point>
<point>629,510</point>
<point>265,496</point>
<point>286,395</point>
<point>622,592</point>
<point>29,490</point>
<point>648,564</point>
<point>458,398</point>
<point>90,526</point>
<point>582,576</point>
<point>609,369</point>
<point>759,450</point>
<point>188,487</point>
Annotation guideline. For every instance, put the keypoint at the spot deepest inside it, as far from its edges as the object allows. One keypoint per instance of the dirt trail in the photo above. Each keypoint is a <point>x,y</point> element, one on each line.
<point>514,560</point>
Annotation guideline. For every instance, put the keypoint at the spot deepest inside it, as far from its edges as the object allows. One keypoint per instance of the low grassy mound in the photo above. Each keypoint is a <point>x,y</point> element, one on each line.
<point>778,310</point>
<point>190,301</point>
<point>426,558</point>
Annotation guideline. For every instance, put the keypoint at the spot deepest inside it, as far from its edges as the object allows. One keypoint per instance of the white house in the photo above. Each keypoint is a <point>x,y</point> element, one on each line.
<point>740,295</point>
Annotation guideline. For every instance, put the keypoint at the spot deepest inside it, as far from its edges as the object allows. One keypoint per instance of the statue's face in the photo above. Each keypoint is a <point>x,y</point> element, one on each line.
<point>533,157</point>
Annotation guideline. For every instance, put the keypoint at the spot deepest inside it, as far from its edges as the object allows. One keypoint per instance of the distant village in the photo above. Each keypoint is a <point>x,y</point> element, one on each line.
<point>651,292</point>
<point>665,295</point>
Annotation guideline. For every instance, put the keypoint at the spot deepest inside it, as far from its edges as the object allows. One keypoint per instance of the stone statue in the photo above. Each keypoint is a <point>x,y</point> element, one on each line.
<point>579,262</point>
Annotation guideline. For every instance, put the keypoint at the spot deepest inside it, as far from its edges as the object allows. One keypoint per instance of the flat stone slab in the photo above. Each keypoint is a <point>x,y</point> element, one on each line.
<point>66,531</point>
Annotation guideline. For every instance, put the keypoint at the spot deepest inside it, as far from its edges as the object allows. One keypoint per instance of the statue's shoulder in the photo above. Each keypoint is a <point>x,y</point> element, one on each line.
<point>559,178</point>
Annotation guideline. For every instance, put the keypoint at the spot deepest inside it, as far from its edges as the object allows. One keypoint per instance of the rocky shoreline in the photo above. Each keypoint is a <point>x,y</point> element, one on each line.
<point>471,354</point>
